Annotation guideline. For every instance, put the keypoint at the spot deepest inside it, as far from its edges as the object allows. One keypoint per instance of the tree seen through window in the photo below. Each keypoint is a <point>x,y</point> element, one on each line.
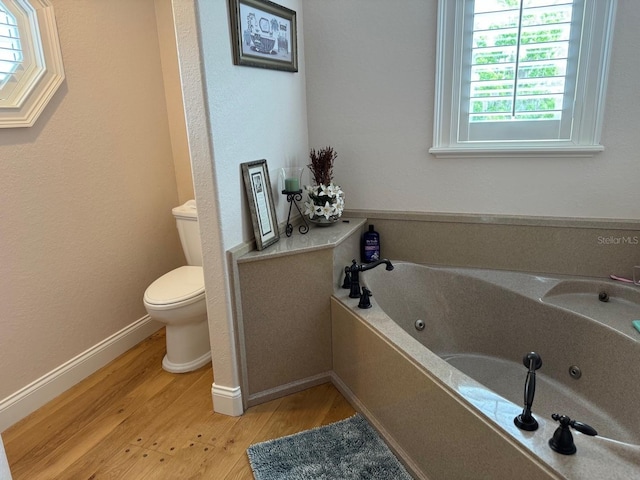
<point>519,59</point>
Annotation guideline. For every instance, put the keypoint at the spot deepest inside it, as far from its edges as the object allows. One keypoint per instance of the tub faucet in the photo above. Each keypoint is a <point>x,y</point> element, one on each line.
<point>353,272</point>
<point>525,420</point>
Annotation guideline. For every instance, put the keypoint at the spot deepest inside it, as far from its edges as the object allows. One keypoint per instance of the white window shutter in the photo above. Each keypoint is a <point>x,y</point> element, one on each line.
<point>521,76</point>
<point>10,47</point>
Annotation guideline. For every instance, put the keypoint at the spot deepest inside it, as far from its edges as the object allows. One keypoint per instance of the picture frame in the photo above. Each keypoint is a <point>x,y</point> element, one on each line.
<point>264,34</point>
<point>263,214</point>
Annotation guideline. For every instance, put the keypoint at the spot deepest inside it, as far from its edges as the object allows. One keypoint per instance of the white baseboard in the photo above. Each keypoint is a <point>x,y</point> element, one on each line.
<point>46,388</point>
<point>227,400</point>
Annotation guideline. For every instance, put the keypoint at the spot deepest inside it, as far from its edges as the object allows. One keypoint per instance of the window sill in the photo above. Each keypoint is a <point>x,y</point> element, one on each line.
<point>512,151</point>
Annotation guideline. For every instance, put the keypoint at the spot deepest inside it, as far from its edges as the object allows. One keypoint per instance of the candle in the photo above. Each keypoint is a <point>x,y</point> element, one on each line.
<point>291,184</point>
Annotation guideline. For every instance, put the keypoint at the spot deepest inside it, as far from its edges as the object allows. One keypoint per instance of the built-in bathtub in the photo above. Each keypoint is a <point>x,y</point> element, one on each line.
<point>446,396</point>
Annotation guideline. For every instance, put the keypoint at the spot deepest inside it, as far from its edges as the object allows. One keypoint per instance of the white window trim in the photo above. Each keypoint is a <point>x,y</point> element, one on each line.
<point>590,96</point>
<point>46,72</point>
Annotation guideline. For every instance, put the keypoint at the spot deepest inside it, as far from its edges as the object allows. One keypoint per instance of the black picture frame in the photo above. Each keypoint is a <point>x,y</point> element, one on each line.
<point>264,35</point>
<point>263,214</point>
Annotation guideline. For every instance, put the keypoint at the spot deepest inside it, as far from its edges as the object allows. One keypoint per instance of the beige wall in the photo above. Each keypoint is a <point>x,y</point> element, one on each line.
<point>173,95</point>
<point>86,194</point>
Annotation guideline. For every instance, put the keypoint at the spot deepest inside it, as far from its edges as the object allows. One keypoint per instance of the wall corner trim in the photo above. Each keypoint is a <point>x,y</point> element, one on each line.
<point>227,400</point>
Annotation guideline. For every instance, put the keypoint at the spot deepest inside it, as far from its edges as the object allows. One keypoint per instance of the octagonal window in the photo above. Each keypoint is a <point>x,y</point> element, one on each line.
<point>31,67</point>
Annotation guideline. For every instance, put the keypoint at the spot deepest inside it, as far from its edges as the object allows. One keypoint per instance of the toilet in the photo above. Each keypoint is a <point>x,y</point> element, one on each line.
<point>177,299</point>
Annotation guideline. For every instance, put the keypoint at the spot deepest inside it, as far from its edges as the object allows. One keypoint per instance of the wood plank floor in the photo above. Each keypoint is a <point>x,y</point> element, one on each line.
<point>133,420</point>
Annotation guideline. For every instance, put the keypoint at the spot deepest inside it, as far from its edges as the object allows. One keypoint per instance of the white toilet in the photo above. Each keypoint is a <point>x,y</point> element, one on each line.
<point>177,299</point>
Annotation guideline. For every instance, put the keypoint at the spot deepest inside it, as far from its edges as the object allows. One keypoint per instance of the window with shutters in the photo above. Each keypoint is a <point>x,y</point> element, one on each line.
<point>521,76</point>
<point>10,49</point>
<point>31,67</point>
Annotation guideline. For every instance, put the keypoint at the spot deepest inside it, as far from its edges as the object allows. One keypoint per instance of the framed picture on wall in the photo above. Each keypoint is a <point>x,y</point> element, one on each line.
<point>263,214</point>
<point>264,34</point>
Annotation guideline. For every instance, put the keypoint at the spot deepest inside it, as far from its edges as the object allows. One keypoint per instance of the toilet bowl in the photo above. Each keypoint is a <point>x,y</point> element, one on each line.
<point>178,300</point>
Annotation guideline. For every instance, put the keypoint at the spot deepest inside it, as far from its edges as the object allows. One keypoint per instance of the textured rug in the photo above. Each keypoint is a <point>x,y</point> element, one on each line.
<point>349,449</point>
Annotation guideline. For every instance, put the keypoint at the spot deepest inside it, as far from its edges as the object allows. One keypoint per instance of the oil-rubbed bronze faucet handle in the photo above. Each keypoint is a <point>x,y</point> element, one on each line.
<point>365,301</point>
<point>562,440</point>
<point>347,278</point>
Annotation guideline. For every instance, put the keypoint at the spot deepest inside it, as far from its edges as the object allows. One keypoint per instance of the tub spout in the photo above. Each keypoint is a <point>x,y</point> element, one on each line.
<point>354,269</point>
<point>525,420</point>
<point>369,266</point>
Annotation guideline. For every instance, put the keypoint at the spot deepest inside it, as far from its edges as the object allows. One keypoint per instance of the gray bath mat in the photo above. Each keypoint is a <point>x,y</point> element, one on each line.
<point>349,449</point>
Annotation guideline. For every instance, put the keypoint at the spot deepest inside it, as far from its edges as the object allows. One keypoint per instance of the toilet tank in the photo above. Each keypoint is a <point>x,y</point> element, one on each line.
<point>187,222</point>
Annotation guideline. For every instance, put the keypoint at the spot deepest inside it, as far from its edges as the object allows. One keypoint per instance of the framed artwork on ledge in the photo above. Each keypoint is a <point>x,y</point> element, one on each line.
<point>263,214</point>
<point>264,34</point>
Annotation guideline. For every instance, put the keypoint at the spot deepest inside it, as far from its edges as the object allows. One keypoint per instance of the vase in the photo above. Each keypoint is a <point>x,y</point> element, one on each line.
<point>325,204</point>
<point>323,221</point>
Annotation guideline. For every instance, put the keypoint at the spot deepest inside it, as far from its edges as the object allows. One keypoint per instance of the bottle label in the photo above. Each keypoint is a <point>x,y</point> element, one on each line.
<point>371,250</point>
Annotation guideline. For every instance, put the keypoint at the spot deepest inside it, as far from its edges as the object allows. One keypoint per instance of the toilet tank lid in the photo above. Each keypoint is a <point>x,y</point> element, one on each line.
<point>187,210</point>
<point>176,286</point>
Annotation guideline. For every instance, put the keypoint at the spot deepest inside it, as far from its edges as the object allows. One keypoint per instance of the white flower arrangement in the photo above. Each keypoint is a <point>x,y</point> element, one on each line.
<point>324,201</point>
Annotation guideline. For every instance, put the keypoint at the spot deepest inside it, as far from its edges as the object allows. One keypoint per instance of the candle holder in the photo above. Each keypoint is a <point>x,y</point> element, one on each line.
<point>289,182</point>
<point>290,179</point>
<point>293,197</point>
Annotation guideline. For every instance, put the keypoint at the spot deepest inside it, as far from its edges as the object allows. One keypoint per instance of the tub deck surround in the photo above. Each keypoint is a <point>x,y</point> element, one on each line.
<point>482,323</point>
<point>551,245</point>
<point>435,433</point>
<point>282,308</point>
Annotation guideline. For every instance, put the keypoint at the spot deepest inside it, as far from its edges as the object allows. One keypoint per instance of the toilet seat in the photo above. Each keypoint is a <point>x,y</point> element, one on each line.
<point>179,287</point>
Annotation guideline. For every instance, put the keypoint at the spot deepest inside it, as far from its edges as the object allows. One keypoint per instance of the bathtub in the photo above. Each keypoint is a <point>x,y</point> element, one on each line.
<point>445,395</point>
